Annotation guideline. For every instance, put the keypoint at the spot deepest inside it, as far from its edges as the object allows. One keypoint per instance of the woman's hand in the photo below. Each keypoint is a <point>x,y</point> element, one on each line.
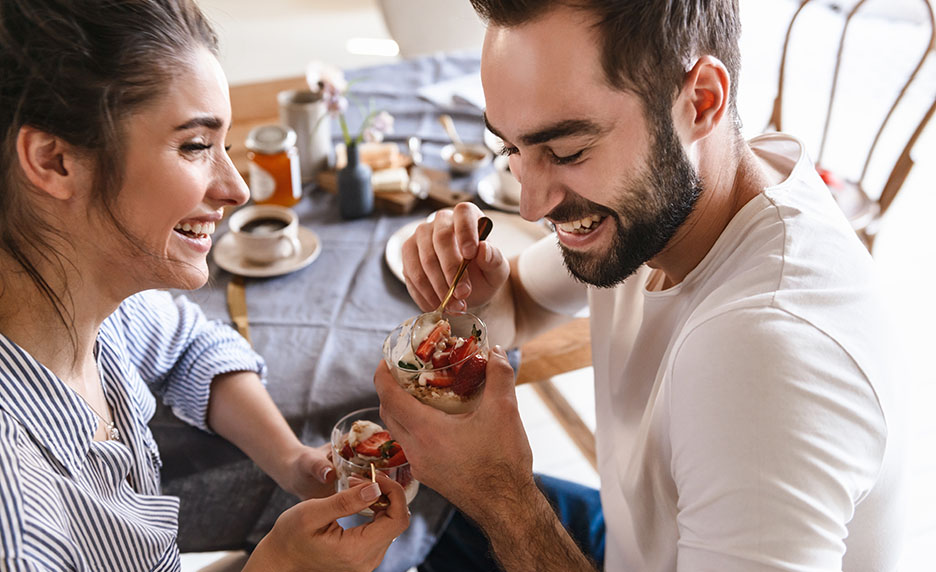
<point>307,537</point>
<point>309,473</point>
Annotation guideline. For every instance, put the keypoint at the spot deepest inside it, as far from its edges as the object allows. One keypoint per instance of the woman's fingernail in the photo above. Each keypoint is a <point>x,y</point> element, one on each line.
<point>370,492</point>
<point>325,474</point>
<point>488,255</point>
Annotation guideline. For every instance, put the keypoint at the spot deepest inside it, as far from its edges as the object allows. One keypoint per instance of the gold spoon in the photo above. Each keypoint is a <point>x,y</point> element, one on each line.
<point>485,225</point>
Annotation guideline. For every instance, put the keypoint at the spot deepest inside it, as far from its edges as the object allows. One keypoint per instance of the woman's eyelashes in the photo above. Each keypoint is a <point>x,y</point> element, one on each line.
<point>195,146</point>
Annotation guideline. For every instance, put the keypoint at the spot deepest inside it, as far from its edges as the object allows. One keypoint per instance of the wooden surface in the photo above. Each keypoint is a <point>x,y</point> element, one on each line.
<point>254,104</point>
<point>560,350</point>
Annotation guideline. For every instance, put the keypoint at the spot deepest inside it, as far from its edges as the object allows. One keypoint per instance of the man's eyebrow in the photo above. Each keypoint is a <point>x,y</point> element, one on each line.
<point>209,121</point>
<point>557,130</point>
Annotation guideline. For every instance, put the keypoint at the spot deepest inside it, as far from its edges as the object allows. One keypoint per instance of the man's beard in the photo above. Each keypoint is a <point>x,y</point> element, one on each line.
<point>649,211</point>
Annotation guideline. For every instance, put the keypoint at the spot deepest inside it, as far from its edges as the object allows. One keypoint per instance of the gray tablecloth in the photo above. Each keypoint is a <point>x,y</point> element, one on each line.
<point>321,330</point>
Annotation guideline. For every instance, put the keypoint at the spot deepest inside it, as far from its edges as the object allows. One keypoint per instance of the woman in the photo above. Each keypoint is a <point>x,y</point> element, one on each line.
<point>113,118</point>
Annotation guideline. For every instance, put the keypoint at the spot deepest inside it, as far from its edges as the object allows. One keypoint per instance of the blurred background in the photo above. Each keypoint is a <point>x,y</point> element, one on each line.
<point>272,39</point>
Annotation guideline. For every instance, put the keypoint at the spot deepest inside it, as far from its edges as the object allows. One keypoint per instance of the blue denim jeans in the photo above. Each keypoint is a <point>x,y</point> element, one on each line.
<point>464,548</point>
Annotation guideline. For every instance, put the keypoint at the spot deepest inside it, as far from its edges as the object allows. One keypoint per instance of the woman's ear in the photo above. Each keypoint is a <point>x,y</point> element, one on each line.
<point>49,163</point>
<point>703,99</point>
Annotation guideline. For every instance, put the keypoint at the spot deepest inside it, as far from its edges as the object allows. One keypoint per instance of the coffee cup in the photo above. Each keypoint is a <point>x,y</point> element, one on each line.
<point>265,233</point>
<point>509,186</point>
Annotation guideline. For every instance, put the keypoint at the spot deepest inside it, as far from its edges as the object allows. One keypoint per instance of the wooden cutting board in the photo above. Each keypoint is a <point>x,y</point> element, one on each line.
<point>441,195</point>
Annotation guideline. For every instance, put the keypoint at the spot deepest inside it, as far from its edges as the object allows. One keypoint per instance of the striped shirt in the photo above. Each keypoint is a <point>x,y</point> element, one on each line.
<point>68,502</point>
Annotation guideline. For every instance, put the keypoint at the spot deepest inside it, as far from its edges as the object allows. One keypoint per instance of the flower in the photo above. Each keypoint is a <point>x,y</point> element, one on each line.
<point>331,83</point>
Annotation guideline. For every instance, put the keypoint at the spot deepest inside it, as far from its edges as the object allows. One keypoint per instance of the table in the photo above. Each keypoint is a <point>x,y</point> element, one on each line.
<point>321,328</point>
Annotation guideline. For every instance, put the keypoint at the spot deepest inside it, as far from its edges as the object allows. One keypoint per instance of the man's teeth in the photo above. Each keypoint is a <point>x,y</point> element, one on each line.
<point>581,225</point>
<point>206,228</point>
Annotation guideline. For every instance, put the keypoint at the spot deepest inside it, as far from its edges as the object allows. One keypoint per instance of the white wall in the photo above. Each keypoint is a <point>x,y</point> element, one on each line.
<point>269,39</point>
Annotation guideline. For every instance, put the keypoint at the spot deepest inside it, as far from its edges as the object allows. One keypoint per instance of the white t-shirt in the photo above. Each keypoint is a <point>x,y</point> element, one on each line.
<point>746,417</point>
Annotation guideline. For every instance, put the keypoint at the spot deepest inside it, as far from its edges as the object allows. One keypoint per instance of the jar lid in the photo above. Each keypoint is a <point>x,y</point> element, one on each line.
<point>270,139</point>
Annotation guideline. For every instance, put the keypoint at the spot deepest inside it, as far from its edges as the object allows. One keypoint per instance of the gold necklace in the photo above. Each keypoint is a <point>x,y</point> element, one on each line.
<point>112,433</point>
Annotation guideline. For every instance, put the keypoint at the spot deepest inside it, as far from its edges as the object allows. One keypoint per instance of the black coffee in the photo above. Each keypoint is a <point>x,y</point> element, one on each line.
<point>264,225</point>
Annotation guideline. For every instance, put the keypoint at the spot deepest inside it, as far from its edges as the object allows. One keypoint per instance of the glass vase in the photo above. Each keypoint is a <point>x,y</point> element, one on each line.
<point>355,194</point>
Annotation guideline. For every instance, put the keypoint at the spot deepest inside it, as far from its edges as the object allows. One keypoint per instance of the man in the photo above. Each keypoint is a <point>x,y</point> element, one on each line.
<point>745,416</point>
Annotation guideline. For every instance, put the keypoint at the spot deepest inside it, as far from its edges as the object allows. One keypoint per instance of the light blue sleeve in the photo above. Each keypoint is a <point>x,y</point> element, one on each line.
<point>178,351</point>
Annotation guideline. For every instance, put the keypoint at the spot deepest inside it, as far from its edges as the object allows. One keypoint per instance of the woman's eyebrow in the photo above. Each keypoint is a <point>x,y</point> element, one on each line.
<point>209,121</point>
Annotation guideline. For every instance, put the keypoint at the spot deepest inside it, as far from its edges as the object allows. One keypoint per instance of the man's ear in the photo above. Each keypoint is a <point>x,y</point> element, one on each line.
<point>49,163</point>
<point>703,99</point>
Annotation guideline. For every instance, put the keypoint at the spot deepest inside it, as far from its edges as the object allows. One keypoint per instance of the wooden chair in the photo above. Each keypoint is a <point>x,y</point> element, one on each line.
<point>864,207</point>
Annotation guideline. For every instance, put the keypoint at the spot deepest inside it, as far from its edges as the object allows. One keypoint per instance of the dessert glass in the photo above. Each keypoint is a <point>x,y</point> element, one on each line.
<point>402,473</point>
<point>453,387</point>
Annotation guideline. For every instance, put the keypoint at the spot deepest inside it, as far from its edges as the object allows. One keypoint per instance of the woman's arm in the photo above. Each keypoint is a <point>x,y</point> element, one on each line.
<point>241,411</point>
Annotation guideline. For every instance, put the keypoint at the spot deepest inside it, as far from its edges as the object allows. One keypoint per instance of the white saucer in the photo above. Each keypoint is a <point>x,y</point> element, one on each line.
<point>511,234</point>
<point>228,258</point>
<point>489,191</point>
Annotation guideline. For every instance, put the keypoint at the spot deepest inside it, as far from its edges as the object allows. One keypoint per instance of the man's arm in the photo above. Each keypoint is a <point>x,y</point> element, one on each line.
<point>482,462</point>
<point>525,534</point>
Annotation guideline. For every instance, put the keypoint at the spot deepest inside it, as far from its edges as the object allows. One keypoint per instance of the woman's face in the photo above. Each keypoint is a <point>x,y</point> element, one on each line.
<point>178,176</point>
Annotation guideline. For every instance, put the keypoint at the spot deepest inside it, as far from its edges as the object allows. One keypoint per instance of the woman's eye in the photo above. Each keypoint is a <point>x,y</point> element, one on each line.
<point>227,148</point>
<point>195,147</point>
<point>567,159</point>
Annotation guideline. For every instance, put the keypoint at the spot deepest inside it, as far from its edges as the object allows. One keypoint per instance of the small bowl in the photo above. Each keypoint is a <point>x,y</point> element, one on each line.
<point>466,158</point>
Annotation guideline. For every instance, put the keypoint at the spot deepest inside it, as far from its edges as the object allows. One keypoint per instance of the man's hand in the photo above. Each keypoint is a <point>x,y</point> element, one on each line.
<point>472,459</point>
<point>307,537</point>
<point>432,256</point>
<point>482,462</point>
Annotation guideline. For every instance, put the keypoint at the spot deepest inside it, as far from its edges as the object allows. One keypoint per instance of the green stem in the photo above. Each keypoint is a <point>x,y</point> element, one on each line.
<point>344,129</point>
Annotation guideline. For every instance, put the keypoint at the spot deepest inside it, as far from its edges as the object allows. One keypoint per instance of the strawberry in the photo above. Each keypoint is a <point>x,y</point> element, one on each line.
<point>404,476</point>
<point>428,345</point>
<point>370,447</point>
<point>392,454</point>
<point>346,451</point>
<point>441,378</point>
<point>441,359</point>
<point>470,376</point>
<point>397,458</point>
<point>463,349</point>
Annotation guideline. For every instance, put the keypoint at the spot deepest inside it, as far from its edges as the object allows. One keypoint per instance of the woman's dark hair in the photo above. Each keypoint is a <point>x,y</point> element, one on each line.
<point>76,69</point>
<point>647,45</point>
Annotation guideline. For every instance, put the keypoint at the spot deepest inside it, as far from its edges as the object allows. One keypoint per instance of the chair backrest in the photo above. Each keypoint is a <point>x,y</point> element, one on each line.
<point>924,111</point>
<point>422,27</point>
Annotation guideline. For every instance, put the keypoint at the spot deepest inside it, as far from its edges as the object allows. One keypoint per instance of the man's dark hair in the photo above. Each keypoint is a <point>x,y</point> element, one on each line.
<point>647,45</point>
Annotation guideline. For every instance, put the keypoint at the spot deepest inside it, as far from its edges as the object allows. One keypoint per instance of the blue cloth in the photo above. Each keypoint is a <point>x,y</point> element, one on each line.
<point>463,547</point>
<point>320,330</point>
<point>72,503</point>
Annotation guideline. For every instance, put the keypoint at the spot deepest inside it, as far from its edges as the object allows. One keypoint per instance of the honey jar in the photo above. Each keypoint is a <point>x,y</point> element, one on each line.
<point>275,178</point>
